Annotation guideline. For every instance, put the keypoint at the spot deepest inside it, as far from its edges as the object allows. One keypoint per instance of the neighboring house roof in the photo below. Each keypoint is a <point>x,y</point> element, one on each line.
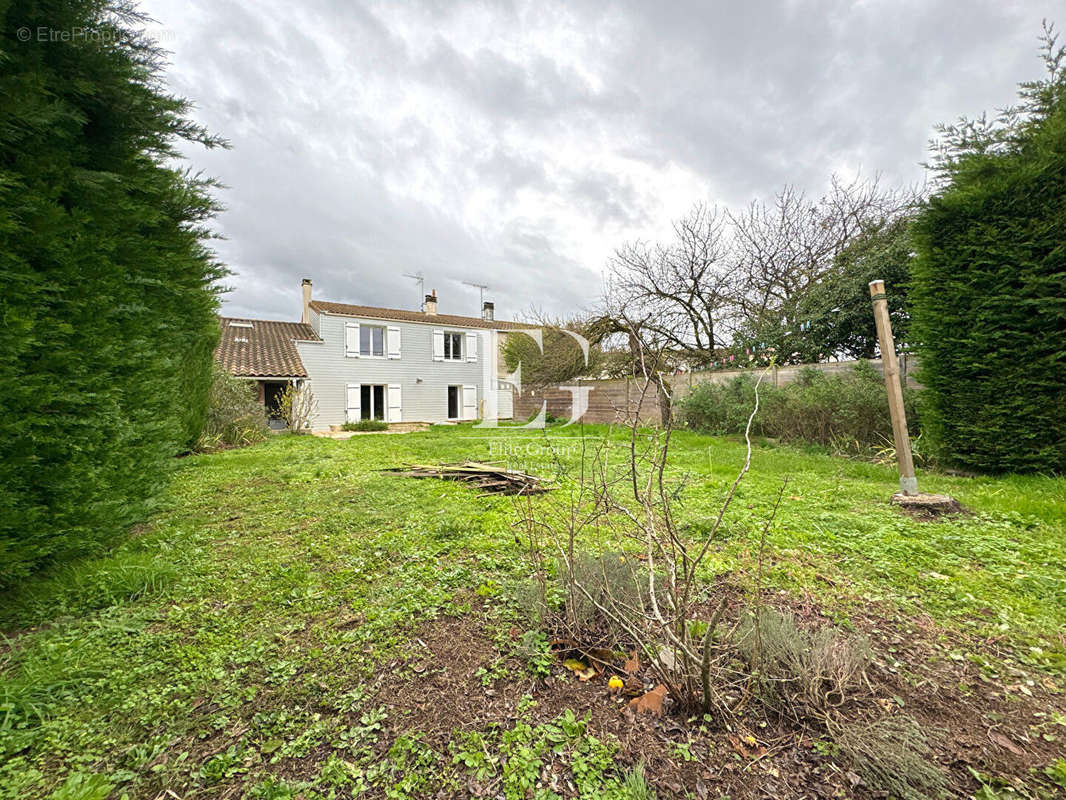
<point>403,315</point>
<point>260,348</point>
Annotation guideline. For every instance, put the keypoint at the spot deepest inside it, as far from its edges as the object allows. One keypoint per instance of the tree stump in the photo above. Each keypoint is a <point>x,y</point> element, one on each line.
<point>927,506</point>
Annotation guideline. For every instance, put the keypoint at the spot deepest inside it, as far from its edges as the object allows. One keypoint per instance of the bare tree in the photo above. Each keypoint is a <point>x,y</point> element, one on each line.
<point>677,293</point>
<point>725,275</point>
<point>784,246</point>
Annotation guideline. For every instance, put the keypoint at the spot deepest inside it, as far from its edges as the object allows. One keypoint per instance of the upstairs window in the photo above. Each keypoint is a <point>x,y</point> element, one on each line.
<point>453,346</point>
<point>372,340</point>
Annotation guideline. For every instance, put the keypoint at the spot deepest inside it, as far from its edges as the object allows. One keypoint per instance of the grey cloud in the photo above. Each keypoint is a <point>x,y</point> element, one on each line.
<point>516,143</point>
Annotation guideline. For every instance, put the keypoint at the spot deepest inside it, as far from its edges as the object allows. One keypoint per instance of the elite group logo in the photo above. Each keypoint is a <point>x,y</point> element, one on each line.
<point>579,394</point>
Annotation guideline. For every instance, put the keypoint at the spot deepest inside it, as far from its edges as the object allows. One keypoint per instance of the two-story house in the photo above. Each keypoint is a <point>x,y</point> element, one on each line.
<point>364,362</point>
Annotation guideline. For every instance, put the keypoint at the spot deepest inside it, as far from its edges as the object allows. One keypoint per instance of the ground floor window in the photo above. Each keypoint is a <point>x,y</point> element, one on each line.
<point>372,401</point>
<point>454,400</point>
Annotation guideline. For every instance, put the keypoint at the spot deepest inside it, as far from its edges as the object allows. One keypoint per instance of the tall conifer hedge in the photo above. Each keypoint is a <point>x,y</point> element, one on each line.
<point>107,291</point>
<point>989,286</point>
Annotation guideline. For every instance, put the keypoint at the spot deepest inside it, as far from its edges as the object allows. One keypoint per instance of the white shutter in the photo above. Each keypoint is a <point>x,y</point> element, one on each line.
<point>351,339</point>
<point>394,342</point>
<point>471,346</point>
<point>395,410</point>
<point>438,345</point>
<point>469,402</point>
<point>352,404</point>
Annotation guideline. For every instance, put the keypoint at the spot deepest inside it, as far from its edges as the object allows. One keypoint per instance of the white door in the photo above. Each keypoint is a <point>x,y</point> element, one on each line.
<point>352,404</point>
<point>395,410</point>
<point>469,402</point>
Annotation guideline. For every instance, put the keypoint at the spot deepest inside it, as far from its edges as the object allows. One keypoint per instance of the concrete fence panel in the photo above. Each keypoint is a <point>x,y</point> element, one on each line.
<point>621,400</point>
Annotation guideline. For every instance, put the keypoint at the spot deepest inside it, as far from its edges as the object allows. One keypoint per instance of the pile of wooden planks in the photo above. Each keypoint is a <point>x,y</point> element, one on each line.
<point>494,479</point>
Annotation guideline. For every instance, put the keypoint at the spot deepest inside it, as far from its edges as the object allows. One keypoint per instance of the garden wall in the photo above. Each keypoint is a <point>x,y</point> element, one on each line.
<point>609,401</point>
<point>617,400</point>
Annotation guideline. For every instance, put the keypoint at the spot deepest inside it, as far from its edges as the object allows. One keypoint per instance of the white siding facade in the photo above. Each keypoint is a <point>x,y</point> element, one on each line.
<point>411,368</point>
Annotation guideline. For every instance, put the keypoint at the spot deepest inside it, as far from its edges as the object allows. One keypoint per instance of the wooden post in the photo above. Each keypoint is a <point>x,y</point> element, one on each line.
<point>908,483</point>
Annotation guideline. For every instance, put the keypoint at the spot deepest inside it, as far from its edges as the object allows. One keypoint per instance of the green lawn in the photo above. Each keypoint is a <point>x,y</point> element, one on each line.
<point>227,648</point>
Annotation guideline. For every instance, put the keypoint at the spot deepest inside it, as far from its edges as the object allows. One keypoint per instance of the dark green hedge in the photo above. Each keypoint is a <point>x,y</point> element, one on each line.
<point>989,305</point>
<point>107,300</point>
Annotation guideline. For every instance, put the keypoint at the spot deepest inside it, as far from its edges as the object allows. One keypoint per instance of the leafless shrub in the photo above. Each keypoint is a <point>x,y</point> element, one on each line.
<point>647,594</point>
<point>655,603</point>
<point>891,753</point>
<point>298,407</point>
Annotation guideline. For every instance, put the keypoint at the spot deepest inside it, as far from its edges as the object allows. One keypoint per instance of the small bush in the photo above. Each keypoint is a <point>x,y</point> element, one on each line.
<point>298,407</point>
<point>636,786</point>
<point>848,413</point>
<point>891,753</point>
<point>235,417</point>
<point>549,417</point>
<point>803,671</point>
<point>611,579</point>
<point>366,425</point>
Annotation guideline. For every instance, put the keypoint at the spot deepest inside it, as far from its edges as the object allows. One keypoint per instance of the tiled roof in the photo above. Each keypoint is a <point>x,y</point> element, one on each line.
<point>403,315</point>
<point>267,349</point>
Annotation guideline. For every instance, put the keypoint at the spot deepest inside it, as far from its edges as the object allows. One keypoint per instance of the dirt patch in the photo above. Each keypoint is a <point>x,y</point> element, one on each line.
<point>456,680</point>
<point>996,718</point>
<point>995,724</point>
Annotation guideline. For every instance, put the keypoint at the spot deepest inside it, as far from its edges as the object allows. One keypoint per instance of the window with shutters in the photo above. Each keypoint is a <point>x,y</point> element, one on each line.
<point>372,340</point>
<point>453,346</point>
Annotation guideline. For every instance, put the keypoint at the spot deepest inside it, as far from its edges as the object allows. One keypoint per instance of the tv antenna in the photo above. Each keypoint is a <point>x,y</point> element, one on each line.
<point>481,287</point>
<point>418,276</point>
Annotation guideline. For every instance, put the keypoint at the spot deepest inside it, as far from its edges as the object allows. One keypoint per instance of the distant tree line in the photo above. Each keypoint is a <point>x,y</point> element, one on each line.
<point>109,289</point>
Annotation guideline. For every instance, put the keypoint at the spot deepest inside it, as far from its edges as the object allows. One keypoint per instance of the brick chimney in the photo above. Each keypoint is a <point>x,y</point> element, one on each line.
<point>431,304</point>
<point>487,310</point>
<point>305,286</point>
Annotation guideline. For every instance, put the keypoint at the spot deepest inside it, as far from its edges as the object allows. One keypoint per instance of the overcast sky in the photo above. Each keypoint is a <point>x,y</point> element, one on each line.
<point>517,144</point>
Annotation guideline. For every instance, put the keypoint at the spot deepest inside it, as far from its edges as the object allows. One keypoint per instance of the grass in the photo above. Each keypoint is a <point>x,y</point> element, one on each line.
<point>226,647</point>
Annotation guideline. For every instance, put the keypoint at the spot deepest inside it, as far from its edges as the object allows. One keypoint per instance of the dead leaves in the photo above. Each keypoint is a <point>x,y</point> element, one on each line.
<point>583,671</point>
<point>746,746</point>
<point>649,702</point>
<point>998,738</point>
